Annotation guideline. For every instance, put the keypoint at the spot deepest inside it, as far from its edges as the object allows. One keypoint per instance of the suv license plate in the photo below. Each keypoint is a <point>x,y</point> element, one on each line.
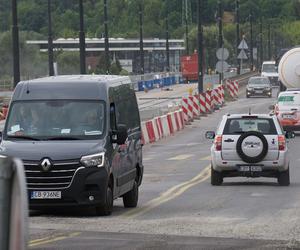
<point>250,168</point>
<point>45,195</point>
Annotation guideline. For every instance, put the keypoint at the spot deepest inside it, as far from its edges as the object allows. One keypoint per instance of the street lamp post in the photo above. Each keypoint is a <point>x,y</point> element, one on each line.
<point>269,42</point>
<point>237,34</point>
<point>167,40</point>
<point>106,41</point>
<point>15,40</point>
<point>200,46</point>
<point>251,41</point>
<point>261,53</point>
<point>142,64</point>
<point>82,39</point>
<point>50,41</point>
<point>220,41</point>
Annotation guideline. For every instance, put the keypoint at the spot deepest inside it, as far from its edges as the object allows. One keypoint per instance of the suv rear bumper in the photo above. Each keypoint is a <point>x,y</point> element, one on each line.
<point>220,165</point>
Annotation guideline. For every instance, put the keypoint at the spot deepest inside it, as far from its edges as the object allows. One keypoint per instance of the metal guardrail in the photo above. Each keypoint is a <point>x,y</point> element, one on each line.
<point>13,205</point>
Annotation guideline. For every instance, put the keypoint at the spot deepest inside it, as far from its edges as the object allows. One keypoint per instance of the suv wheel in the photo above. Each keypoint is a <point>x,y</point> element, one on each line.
<point>284,178</point>
<point>216,177</point>
<point>107,207</point>
<point>131,198</point>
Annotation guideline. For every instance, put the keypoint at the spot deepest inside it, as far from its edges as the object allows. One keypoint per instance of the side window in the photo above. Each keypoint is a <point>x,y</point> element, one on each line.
<point>113,123</point>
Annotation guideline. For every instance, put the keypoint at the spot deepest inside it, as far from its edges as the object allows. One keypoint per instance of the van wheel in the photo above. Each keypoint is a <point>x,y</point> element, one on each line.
<point>284,178</point>
<point>106,209</point>
<point>131,198</point>
<point>216,177</point>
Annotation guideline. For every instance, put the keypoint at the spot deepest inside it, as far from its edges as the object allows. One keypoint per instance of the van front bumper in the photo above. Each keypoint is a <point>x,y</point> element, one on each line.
<point>87,183</point>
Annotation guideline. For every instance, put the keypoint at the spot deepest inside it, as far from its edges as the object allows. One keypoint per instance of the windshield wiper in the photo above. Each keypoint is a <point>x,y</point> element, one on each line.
<point>26,137</point>
<point>62,138</point>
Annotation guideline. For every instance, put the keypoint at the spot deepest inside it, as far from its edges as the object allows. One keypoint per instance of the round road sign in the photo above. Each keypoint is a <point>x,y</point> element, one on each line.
<point>222,54</point>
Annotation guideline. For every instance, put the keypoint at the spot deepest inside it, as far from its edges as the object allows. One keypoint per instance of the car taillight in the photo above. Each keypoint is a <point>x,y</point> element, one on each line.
<point>218,142</point>
<point>281,142</point>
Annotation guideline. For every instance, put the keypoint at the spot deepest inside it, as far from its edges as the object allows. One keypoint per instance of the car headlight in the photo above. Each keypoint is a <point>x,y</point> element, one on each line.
<point>96,160</point>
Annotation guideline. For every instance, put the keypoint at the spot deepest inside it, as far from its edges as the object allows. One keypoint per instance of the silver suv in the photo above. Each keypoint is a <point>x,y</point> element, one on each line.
<point>251,146</point>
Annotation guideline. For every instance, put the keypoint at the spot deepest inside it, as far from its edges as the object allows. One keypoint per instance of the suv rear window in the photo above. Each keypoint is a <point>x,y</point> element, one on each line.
<point>242,125</point>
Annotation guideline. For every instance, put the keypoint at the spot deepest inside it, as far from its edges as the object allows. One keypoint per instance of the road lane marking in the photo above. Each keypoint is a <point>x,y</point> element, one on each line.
<point>180,157</point>
<point>206,158</point>
<point>170,194</point>
<point>147,158</point>
<point>52,239</point>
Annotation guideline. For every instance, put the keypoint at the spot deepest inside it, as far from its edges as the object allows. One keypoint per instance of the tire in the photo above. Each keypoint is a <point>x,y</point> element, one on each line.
<point>284,178</point>
<point>247,158</point>
<point>107,208</point>
<point>247,96</point>
<point>216,178</point>
<point>131,198</point>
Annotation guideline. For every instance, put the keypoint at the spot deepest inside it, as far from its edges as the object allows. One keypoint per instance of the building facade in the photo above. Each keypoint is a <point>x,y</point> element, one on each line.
<point>127,51</point>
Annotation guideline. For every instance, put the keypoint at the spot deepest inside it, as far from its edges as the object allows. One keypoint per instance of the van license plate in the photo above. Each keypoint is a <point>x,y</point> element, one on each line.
<point>45,195</point>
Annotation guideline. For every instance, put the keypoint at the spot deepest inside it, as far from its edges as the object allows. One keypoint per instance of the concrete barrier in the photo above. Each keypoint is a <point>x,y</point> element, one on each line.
<point>13,205</point>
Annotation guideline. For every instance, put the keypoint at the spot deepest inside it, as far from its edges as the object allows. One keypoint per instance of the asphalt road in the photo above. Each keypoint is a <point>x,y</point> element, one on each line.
<point>179,209</point>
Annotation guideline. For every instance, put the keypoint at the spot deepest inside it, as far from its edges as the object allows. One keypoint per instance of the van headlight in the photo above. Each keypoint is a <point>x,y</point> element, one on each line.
<point>96,160</point>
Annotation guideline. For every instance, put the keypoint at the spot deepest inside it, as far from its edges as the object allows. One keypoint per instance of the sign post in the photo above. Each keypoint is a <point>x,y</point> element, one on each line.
<point>242,55</point>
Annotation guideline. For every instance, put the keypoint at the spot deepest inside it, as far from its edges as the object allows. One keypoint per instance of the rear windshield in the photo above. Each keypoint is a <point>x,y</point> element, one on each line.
<point>242,125</point>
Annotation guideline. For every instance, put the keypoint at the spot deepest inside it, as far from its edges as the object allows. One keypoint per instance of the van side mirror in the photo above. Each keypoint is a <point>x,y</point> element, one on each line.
<point>210,135</point>
<point>290,134</point>
<point>121,134</point>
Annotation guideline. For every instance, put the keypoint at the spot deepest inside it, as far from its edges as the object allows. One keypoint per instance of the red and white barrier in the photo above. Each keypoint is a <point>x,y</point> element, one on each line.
<point>208,102</point>
<point>194,104</point>
<point>187,110</point>
<point>161,127</point>
<point>202,103</point>
<point>233,88</point>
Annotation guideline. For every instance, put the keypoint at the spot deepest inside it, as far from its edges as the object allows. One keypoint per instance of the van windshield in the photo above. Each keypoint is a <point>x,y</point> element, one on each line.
<point>269,68</point>
<point>55,120</point>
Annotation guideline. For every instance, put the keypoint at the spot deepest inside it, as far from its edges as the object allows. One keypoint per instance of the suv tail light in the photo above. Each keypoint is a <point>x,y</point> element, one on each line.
<point>281,142</point>
<point>218,142</point>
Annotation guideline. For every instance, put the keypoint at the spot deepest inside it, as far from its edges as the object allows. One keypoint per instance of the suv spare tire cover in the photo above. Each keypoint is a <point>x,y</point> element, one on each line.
<point>252,147</point>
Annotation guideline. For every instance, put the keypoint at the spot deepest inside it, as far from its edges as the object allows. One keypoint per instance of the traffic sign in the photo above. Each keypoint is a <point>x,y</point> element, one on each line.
<point>243,44</point>
<point>222,54</point>
<point>222,66</point>
<point>242,55</point>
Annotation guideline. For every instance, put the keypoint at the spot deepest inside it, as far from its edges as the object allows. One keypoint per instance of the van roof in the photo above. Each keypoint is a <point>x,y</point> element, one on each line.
<point>86,78</point>
<point>92,87</point>
<point>269,62</point>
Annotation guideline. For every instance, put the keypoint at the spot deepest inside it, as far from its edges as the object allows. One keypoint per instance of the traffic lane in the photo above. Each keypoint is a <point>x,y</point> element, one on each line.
<point>161,165</point>
<point>105,240</point>
<point>153,222</point>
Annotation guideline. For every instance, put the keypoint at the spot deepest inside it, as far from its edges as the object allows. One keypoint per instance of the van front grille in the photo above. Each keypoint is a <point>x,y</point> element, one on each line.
<point>59,176</point>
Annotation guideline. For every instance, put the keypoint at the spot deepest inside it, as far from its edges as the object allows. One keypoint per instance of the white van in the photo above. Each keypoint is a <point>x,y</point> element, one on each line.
<point>269,70</point>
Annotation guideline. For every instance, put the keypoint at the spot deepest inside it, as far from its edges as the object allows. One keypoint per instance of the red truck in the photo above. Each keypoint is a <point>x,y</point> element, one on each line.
<point>189,67</point>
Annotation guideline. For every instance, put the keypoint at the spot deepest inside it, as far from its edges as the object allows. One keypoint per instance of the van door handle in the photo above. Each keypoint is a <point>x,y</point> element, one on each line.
<point>229,140</point>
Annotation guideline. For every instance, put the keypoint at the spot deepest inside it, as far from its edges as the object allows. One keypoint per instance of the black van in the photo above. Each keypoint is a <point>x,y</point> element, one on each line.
<point>80,141</point>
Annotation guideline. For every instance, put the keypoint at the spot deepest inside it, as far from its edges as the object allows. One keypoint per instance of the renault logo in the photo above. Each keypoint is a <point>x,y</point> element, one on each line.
<point>46,165</point>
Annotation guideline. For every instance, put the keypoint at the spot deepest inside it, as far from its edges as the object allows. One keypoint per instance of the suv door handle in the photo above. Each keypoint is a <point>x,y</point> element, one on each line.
<point>229,140</point>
